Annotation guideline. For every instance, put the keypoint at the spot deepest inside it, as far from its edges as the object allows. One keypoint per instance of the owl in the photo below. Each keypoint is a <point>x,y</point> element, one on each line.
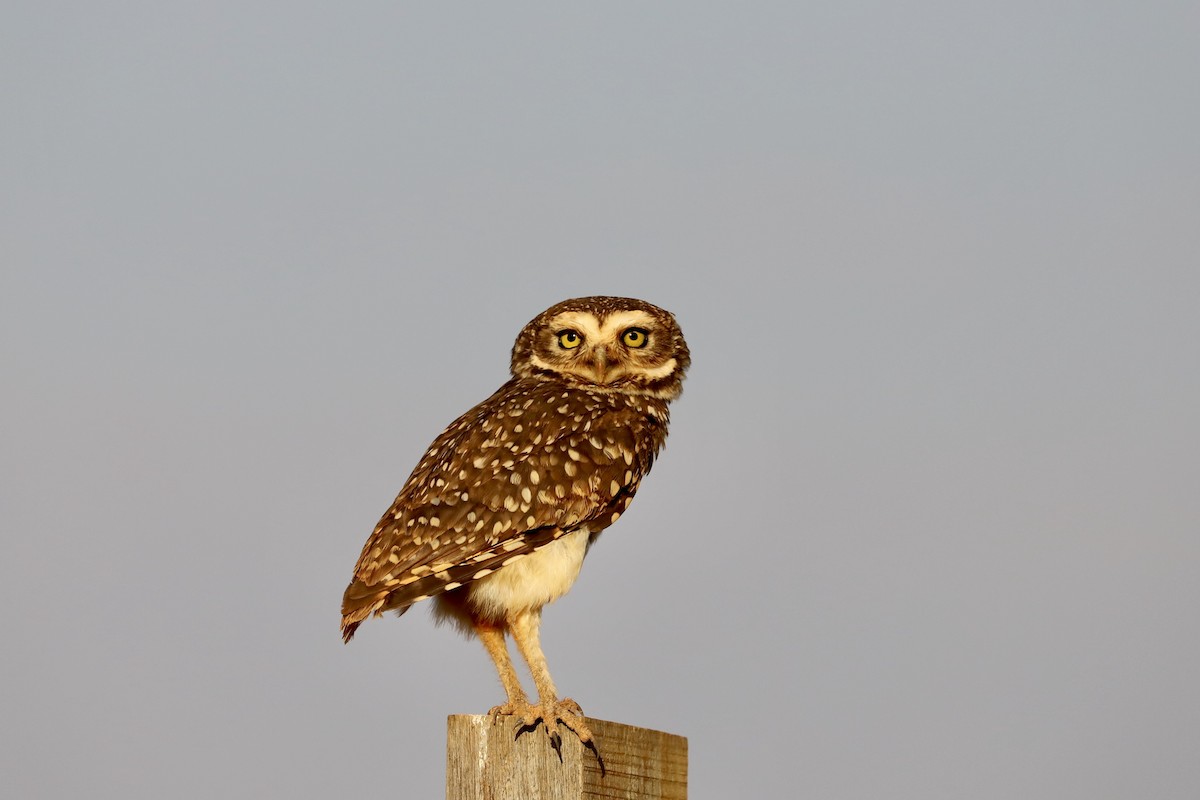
<point>495,520</point>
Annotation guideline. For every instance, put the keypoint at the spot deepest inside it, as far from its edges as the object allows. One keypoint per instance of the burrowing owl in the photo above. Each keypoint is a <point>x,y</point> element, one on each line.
<point>495,520</point>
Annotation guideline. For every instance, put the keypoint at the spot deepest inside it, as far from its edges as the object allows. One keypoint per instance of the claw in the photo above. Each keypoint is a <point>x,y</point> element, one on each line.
<point>505,710</point>
<point>591,745</point>
<point>565,712</point>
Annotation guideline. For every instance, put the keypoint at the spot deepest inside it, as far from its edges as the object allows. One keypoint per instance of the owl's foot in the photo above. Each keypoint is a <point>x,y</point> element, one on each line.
<point>509,710</point>
<point>565,712</point>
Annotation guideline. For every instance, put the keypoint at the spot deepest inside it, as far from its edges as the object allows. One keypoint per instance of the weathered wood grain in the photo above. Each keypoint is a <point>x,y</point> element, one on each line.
<point>486,760</point>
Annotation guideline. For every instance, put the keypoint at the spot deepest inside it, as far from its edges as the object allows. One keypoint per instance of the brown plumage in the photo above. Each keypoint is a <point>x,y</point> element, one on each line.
<point>496,518</point>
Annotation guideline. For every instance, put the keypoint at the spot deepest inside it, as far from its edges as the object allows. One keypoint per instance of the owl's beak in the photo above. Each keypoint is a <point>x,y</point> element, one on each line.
<point>601,363</point>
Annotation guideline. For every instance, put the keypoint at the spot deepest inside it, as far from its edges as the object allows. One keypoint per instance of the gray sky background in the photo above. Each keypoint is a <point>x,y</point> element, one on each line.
<point>928,523</point>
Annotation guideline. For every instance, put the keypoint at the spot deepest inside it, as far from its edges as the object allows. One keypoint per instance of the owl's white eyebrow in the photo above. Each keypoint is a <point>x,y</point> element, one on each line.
<point>582,321</point>
<point>618,322</point>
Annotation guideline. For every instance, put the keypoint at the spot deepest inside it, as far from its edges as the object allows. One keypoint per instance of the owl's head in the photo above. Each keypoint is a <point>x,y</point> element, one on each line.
<point>609,343</point>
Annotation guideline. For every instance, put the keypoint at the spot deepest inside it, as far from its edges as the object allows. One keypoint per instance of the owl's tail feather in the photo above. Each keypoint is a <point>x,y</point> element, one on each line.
<point>359,602</point>
<point>348,629</point>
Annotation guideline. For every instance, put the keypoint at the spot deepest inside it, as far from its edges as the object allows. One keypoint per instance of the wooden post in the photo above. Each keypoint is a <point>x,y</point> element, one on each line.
<point>485,760</point>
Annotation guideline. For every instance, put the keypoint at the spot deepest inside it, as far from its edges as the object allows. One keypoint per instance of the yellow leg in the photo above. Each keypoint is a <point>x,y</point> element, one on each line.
<point>525,628</point>
<point>550,710</point>
<point>492,637</point>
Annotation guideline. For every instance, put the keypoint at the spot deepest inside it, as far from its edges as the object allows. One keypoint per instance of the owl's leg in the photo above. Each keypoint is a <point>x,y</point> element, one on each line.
<point>549,710</point>
<point>492,637</point>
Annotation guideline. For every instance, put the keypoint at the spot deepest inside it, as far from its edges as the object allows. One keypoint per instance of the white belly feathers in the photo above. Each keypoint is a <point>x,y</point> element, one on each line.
<point>533,581</point>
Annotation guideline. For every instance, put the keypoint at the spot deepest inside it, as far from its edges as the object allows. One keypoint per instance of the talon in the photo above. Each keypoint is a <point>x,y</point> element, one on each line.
<point>591,745</point>
<point>526,726</point>
<point>565,712</point>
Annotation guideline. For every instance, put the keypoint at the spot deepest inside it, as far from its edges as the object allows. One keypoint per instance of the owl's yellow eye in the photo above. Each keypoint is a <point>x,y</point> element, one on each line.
<point>634,337</point>
<point>569,339</point>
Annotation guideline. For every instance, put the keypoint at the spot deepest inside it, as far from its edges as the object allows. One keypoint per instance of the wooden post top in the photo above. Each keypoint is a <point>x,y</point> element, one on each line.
<point>485,760</point>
